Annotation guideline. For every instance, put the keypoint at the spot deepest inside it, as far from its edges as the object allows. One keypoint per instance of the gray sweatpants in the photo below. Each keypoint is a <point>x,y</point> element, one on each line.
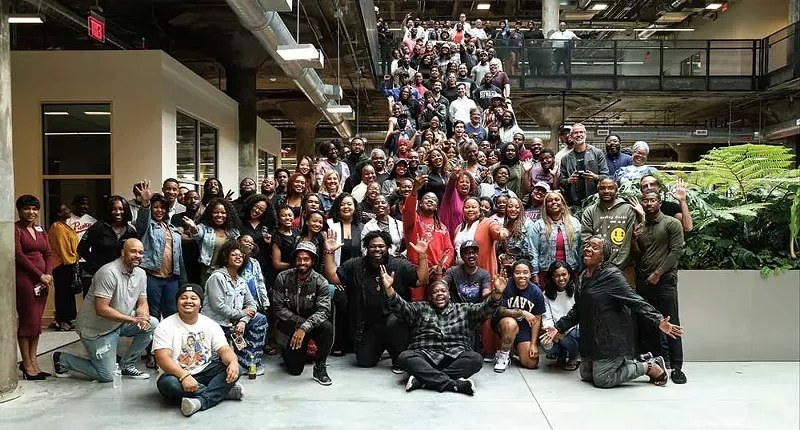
<point>610,372</point>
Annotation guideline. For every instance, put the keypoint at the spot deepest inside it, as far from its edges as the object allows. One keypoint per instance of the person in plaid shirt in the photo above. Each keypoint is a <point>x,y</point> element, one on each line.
<point>440,356</point>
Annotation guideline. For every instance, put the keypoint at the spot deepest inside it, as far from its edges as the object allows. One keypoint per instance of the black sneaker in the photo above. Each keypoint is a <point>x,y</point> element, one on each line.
<point>413,384</point>
<point>58,369</point>
<point>321,374</point>
<point>464,386</point>
<point>397,370</point>
<point>643,358</point>
<point>678,377</point>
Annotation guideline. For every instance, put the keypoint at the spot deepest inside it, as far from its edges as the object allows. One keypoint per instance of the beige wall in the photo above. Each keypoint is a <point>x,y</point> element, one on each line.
<point>744,19</point>
<point>268,138</point>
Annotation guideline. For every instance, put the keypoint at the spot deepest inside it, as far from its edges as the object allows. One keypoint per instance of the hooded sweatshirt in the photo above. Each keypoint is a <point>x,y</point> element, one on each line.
<point>615,225</point>
<point>507,132</point>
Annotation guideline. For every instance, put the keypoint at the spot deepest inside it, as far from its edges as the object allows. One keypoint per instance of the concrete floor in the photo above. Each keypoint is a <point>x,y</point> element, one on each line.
<point>718,396</point>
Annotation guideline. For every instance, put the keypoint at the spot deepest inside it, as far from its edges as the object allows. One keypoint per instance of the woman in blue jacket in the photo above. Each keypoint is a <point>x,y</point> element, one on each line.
<point>555,237</point>
<point>218,224</point>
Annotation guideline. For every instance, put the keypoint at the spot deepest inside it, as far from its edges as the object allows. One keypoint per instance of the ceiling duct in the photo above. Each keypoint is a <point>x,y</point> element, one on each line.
<point>271,32</point>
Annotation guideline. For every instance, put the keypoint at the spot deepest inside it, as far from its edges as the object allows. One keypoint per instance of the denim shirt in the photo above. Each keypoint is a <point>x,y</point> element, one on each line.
<point>152,236</point>
<point>226,300</point>
<point>205,240</point>
<point>544,248</point>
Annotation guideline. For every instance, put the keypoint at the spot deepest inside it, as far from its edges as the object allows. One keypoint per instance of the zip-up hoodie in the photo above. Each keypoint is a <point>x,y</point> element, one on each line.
<point>615,224</point>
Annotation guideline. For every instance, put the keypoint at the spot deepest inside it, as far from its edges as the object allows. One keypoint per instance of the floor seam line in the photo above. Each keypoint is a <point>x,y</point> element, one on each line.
<point>547,420</point>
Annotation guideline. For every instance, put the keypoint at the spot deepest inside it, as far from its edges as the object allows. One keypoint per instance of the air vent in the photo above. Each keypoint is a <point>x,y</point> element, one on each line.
<point>701,132</point>
<point>603,132</point>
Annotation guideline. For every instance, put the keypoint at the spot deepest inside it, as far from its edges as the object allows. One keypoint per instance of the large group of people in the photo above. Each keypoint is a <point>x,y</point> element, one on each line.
<point>455,241</point>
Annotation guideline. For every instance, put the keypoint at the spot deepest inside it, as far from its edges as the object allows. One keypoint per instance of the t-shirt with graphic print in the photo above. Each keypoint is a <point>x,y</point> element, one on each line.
<point>467,287</point>
<point>192,346</point>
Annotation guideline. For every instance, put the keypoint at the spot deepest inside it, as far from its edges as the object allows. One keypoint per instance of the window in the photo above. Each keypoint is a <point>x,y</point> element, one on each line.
<point>76,148</point>
<point>197,144</point>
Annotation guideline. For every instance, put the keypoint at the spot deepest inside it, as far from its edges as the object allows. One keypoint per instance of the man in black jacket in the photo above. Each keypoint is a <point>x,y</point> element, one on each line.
<point>603,306</point>
<point>376,329</point>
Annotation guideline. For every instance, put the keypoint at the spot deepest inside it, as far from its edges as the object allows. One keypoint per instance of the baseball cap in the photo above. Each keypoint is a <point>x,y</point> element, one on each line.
<point>306,246</point>
<point>542,184</point>
<point>468,244</point>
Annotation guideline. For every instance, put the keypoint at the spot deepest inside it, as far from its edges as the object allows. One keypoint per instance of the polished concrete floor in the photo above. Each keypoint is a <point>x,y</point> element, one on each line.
<point>718,396</point>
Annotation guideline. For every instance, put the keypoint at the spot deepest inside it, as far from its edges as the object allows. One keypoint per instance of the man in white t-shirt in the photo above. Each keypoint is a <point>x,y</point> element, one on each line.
<point>562,42</point>
<point>199,367</point>
<point>80,221</point>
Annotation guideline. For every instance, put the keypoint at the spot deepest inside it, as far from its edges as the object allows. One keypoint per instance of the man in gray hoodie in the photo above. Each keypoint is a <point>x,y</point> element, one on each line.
<point>614,219</point>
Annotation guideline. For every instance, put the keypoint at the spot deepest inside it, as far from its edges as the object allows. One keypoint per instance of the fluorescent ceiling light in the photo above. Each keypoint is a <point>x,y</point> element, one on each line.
<point>714,6</point>
<point>56,113</point>
<point>296,52</point>
<point>337,108</point>
<point>78,133</point>
<point>25,19</point>
<point>483,6</point>
<point>641,30</point>
<point>599,6</point>
<point>96,113</point>
<point>575,30</point>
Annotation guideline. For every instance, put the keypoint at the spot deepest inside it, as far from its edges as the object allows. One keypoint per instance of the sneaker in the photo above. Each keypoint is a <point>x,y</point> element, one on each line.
<point>58,369</point>
<point>413,384</point>
<point>464,386</point>
<point>235,393</point>
<point>678,377</point>
<point>501,361</point>
<point>189,406</point>
<point>134,373</point>
<point>489,358</point>
<point>397,370</point>
<point>321,374</point>
<point>643,358</point>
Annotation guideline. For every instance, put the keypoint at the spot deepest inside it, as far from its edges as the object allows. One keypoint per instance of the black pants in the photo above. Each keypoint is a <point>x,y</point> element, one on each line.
<point>388,334</point>
<point>295,359</point>
<point>343,340</point>
<point>663,297</point>
<point>439,376</point>
<point>64,299</point>
<point>561,56</point>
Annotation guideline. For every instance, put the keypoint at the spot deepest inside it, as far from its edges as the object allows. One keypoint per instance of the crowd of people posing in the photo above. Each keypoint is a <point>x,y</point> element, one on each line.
<point>432,254</point>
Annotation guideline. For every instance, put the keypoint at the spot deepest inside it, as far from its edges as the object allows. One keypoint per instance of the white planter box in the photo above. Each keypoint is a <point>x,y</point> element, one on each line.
<point>739,315</point>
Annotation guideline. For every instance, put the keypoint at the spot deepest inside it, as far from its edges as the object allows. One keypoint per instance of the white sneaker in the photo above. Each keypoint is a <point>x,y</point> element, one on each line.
<point>501,361</point>
<point>134,373</point>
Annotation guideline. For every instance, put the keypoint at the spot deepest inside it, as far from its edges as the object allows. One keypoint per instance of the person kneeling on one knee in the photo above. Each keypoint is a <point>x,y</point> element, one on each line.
<point>440,356</point>
<point>184,345</point>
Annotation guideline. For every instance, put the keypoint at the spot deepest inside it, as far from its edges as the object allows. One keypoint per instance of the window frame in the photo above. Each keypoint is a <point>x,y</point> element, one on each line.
<point>198,124</point>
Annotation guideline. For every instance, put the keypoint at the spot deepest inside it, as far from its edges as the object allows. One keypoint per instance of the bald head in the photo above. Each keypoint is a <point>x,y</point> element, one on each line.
<point>132,253</point>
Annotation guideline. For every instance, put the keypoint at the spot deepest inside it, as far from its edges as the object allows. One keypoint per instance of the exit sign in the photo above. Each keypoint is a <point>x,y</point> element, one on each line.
<point>97,27</point>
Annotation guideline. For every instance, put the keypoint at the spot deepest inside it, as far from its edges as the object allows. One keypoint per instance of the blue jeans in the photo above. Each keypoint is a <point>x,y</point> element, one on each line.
<point>103,352</point>
<point>568,346</point>
<point>211,385</point>
<point>161,296</point>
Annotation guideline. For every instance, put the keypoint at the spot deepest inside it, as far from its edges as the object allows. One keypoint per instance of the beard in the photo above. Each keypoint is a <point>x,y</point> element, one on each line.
<point>246,193</point>
<point>381,261</point>
<point>612,150</point>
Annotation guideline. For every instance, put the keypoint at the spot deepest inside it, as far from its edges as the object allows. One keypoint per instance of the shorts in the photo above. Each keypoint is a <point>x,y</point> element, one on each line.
<point>524,335</point>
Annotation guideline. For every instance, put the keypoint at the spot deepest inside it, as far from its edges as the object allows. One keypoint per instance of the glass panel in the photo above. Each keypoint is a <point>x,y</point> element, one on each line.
<point>731,62</point>
<point>289,155</point>
<point>77,139</point>
<point>684,62</point>
<point>63,191</point>
<point>208,152</point>
<point>186,132</point>
<point>638,58</point>
<point>262,165</point>
<point>271,165</point>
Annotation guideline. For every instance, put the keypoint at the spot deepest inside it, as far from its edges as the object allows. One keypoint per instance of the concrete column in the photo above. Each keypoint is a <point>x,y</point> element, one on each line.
<point>685,151</point>
<point>305,117</point>
<point>550,13</point>
<point>794,11</point>
<point>241,86</point>
<point>8,311</point>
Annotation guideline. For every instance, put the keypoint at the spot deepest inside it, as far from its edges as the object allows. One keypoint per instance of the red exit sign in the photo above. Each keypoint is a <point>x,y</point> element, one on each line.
<point>97,27</point>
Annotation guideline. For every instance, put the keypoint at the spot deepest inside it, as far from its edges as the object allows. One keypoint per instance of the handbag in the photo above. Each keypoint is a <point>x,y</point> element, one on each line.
<point>40,290</point>
<point>77,284</point>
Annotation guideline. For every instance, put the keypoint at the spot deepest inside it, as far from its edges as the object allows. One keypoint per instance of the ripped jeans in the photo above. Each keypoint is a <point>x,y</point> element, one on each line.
<point>102,352</point>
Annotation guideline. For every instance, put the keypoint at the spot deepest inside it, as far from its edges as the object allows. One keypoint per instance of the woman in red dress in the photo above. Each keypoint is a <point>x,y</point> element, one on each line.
<point>34,280</point>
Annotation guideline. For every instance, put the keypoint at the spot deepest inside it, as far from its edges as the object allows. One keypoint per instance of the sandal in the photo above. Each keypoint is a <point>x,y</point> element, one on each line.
<point>561,361</point>
<point>663,377</point>
<point>151,362</point>
<point>571,365</point>
<point>55,326</point>
<point>269,350</point>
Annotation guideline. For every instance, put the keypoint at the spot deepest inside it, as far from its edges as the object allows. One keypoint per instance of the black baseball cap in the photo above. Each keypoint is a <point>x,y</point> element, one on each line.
<point>468,244</point>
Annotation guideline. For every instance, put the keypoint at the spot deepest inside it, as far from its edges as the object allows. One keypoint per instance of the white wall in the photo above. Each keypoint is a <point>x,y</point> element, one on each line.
<point>744,19</point>
<point>145,89</point>
<point>268,139</point>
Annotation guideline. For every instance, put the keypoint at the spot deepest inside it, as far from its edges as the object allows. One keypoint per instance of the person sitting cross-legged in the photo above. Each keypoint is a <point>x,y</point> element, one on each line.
<point>200,368</point>
<point>440,356</point>
<point>302,304</point>
<point>519,319</point>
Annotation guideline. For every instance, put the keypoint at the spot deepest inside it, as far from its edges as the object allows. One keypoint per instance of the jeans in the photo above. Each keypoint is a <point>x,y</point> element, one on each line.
<point>103,352</point>
<point>664,297</point>
<point>64,299</point>
<point>609,373</point>
<point>255,334</point>
<point>295,359</point>
<point>387,334</point>
<point>161,295</point>
<point>211,385</point>
<point>440,376</point>
<point>568,346</point>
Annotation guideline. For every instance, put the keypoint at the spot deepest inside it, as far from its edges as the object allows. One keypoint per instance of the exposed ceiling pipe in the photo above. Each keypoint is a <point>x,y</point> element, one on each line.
<point>270,31</point>
<point>57,10</point>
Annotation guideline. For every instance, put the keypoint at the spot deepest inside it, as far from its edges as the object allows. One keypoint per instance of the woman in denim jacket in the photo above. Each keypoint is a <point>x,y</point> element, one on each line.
<point>229,303</point>
<point>556,237</point>
<point>218,224</point>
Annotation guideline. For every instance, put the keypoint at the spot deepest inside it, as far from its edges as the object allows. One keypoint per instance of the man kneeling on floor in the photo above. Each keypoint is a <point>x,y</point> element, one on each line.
<point>200,368</point>
<point>440,356</point>
<point>115,306</point>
